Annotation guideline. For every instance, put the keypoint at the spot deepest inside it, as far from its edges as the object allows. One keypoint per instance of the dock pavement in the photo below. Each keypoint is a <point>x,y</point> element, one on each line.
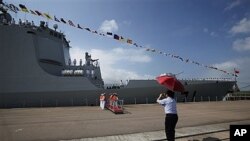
<point>142,122</point>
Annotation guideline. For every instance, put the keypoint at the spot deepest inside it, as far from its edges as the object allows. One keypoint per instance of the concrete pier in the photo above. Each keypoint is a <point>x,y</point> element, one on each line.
<point>140,122</point>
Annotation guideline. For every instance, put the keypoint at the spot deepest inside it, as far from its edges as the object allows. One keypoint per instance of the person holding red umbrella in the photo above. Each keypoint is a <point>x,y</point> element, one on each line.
<point>167,100</point>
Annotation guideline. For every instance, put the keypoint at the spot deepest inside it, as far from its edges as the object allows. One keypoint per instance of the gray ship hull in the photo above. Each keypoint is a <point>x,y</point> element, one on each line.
<point>136,95</point>
<point>28,77</point>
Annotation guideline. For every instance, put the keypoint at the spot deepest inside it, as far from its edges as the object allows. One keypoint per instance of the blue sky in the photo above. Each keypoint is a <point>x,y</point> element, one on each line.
<point>212,32</point>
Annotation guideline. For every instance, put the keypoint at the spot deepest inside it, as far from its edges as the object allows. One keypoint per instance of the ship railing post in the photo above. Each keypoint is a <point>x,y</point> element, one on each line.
<point>209,98</point>
<point>194,99</point>
<point>56,102</point>
<point>86,101</point>
<point>95,102</point>
<point>135,100</point>
<point>72,102</point>
<point>41,103</point>
<point>122,102</point>
<point>146,100</point>
<point>201,98</point>
<point>185,99</point>
<point>176,99</point>
<point>24,102</point>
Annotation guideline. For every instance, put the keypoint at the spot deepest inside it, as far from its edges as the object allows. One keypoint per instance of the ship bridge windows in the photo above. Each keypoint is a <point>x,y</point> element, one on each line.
<point>70,72</point>
<point>55,34</point>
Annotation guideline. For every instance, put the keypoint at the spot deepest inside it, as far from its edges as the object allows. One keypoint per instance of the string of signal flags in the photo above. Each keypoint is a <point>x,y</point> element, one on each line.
<point>117,37</point>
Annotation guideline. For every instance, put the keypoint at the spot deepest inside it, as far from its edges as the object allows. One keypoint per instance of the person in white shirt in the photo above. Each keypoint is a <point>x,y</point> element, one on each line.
<point>102,101</point>
<point>167,100</point>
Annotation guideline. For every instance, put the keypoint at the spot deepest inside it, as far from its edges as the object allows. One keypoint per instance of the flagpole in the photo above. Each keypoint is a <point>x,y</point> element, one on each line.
<point>234,75</point>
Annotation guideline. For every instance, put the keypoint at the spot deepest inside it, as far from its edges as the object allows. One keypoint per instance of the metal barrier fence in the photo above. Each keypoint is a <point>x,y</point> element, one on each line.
<point>95,102</point>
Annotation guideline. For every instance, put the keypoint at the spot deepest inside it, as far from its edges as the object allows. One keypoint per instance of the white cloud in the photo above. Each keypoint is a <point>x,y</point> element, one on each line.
<point>109,59</point>
<point>241,64</point>
<point>242,44</point>
<point>241,27</point>
<point>205,30</point>
<point>109,26</point>
<point>229,65</point>
<point>232,5</point>
<point>213,34</point>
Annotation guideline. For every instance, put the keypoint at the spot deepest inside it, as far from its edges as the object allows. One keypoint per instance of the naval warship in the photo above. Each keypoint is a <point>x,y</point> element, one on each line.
<point>36,70</point>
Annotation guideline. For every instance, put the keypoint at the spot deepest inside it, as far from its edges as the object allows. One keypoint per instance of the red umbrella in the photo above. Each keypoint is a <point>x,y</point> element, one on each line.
<point>171,83</point>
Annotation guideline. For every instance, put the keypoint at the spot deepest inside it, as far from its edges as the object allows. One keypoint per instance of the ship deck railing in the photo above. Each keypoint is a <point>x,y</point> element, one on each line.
<point>244,95</point>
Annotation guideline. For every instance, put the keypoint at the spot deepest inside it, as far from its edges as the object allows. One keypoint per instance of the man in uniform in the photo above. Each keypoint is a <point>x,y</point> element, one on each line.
<point>102,101</point>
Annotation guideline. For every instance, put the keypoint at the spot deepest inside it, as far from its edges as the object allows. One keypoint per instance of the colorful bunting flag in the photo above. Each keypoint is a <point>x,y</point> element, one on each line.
<point>129,41</point>
<point>236,71</point>
<point>135,44</point>
<point>62,20</point>
<point>87,29</point>
<point>56,19</point>
<point>102,34</point>
<point>11,7</point>
<point>39,13</point>
<point>47,16</point>
<point>181,58</point>
<point>116,37</point>
<point>95,32</point>
<point>71,23</point>
<point>78,26</point>
<point>23,8</point>
<point>122,39</point>
<point>109,33</point>
<point>32,12</point>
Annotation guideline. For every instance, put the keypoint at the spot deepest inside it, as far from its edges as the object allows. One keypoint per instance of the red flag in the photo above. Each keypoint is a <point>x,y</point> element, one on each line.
<point>236,71</point>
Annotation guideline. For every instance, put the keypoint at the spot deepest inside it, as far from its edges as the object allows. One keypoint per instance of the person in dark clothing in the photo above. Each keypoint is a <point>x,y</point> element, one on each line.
<point>171,118</point>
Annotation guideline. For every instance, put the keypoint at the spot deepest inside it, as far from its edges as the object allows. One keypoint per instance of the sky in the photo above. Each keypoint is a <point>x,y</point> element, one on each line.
<point>212,32</point>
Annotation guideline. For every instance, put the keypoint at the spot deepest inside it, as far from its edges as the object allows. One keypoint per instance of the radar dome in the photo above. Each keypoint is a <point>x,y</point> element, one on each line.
<point>55,26</point>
